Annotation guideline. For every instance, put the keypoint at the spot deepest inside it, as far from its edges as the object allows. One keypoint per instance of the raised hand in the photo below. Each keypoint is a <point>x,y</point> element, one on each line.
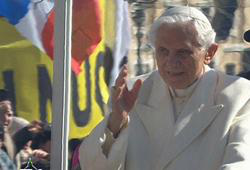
<point>123,101</point>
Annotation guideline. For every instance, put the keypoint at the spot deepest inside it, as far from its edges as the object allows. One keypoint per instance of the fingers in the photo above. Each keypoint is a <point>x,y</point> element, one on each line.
<point>122,98</point>
<point>122,77</point>
<point>135,90</point>
<point>120,83</point>
<point>39,153</point>
<point>136,87</point>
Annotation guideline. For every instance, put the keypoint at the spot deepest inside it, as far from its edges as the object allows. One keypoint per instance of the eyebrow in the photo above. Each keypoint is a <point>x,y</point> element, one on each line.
<point>185,50</point>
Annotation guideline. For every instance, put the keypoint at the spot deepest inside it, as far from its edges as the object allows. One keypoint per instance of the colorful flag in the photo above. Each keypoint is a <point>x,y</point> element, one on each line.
<point>35,21</point>
<point>29,17</point>
<point>26,67</point>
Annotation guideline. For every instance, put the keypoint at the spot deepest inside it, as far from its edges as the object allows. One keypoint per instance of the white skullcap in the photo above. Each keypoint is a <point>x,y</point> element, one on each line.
<point>186,11</point>
<point>206,34</point>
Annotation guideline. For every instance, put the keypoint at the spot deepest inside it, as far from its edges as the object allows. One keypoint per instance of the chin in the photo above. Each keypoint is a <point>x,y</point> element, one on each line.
<point>178,87</point>
<point>178,84</point>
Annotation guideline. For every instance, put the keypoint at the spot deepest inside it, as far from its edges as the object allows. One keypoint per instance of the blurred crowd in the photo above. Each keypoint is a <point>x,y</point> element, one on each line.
<point>22,141</point>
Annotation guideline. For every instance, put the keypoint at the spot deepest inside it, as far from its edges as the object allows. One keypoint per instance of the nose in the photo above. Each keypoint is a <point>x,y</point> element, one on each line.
<point>173,61</point>
<point>7,119</point>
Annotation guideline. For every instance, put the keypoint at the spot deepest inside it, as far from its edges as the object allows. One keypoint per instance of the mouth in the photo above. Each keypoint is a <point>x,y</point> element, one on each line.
<point>172,73</point>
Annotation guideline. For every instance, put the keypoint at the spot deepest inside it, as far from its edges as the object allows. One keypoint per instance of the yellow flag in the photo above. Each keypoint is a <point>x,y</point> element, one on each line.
<point>27,72</point>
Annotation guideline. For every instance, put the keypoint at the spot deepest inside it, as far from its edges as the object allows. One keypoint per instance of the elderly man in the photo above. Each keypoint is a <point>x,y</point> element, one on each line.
<point>183,116</point>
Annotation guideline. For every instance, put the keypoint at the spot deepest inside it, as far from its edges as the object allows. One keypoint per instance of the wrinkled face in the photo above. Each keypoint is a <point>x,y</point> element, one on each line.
<point>6,113</point>
<point>179,58</point>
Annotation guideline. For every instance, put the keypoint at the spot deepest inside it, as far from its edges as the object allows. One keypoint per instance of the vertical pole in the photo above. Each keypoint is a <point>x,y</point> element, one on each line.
<point>61,85</point>
<point>139,36</point>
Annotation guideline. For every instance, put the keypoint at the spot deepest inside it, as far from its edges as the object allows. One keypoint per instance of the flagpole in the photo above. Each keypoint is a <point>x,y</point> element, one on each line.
<point>61,85</point>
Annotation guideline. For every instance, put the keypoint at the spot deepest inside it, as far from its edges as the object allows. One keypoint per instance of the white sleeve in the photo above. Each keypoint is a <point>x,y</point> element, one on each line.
<point>92,156</point>
<point>237,154</point>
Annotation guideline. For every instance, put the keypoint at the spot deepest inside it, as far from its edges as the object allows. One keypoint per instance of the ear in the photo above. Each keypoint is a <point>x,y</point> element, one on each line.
<point>210,53</point>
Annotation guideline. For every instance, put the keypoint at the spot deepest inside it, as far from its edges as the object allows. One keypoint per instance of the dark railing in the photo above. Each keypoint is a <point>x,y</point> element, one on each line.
<point>138,16</point>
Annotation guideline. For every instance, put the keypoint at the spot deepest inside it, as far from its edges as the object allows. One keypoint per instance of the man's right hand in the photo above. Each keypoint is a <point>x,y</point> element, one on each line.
<point>123,101</point>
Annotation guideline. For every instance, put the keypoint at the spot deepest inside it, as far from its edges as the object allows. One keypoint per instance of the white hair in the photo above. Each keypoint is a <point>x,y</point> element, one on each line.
<point>183,14</point>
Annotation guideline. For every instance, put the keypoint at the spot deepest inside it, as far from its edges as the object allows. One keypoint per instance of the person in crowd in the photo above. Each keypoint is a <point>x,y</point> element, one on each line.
<point>33,141</point>
<point>5,162</point>
<point>17,124</point>
<point>6,115</point>
<point>23,140</point>
<point>5,109</point>
<point>74,145</point>
<point>184,115</point>
<point>24,136</point>
<point>27,140</point>
<point>42,140</point>
<point>13,123</point>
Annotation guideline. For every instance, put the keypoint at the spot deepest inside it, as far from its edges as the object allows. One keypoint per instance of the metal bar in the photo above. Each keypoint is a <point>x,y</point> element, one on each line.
<point>61,85</point>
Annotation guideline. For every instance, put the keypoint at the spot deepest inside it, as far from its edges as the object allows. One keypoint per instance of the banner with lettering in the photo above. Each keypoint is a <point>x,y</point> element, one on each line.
<point>26,61</point>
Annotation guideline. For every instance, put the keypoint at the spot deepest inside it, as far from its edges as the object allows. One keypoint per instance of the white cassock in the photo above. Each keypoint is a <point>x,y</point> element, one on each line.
<point>210,131</point>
